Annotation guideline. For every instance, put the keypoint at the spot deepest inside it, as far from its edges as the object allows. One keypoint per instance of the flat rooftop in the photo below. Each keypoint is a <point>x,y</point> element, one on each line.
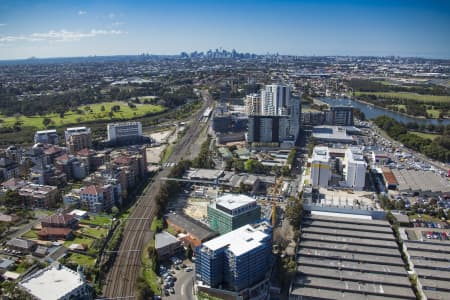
<point>362,275</point>
<point>421,181</point>
<point>349,240</point>
<point>46,131</point>
<point>345,218</point>
<point>205,174</point>
<point>319,293</point>
<point>363,288</point>
<point>321,154</point>
<point>431,260</point>
<point>239,241</point>
<point>358,227</point>
<point>332,134</point>
<point>348,233</point>
<point>233,201</point>
<point>52,283</point>
<point>349,258</point>
<point>344,247</point>
<point>351,265</point>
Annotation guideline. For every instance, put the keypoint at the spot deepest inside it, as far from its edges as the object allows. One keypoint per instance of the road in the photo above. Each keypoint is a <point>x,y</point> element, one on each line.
<point>122,276</point>
<point>438,165</point>
<point>26,227</point>
<point>184,285</point>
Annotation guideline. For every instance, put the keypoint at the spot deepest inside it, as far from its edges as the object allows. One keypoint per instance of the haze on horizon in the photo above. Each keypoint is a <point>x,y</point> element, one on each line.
<point>342,27</point>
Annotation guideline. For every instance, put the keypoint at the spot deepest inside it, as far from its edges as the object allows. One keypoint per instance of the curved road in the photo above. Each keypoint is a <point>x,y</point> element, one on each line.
<point>122,276</point>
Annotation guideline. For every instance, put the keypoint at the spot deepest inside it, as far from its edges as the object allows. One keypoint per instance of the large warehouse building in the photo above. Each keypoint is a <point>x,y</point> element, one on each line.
<point>349,258</point>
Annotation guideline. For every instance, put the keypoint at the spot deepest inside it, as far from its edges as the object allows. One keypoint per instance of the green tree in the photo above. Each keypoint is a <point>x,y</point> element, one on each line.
<point>46,121</point>
<point>12,199</point>
<point>294,212</point>
<point>189,252</point>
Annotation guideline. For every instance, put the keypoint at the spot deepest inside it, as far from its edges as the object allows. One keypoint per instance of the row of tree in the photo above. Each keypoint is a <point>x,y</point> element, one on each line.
<point>63,102</point>
<point>438,149</point>
<point>365,85</point>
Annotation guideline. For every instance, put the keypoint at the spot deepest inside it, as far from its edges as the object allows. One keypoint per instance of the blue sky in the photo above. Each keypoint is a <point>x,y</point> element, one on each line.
<point>81,28</point>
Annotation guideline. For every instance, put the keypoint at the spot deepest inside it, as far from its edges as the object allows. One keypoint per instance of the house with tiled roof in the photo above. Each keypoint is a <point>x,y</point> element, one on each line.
<point>60,220</point>
<point>54,233</point>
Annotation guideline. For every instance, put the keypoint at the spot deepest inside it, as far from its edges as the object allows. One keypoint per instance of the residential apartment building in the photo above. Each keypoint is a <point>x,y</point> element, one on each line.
<point>8,169</point>
<point>253,104</point>
<point>355,168</point>
<point>39,196</point>
<point>97,198</point>
<point>230,212</point>
<point>320,167</point>
<point>275,118</point>
<point>46,137</point>
<point>124,132</point>
<point>78,138</point>
<point>275,99</point>
<point>235,261</point>
<point>340,116</point>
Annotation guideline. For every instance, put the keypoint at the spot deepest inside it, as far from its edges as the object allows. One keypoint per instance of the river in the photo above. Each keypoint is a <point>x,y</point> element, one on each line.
<point>373,112</point>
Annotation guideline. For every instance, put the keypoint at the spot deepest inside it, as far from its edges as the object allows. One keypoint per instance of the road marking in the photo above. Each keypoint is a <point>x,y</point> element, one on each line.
<point>182,289</point>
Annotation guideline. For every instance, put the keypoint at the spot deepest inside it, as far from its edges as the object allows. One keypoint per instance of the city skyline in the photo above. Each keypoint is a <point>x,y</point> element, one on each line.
<point>354,28</point>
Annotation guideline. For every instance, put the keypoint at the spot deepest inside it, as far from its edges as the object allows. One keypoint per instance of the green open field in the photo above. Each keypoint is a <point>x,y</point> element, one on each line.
<point>430,136</point>
<point>80,259</point>
<point>30,234</point>
<point>147,272</point>
<point>79,240</point>
<point>406,96</point>
<point>98,220</point>
<point>94,232</point>
<point>399,106</point>
<point>434,113</point>
<point>92,112</point>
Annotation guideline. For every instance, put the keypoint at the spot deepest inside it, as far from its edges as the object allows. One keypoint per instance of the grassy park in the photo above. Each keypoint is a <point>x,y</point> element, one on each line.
<point>424,135</point>
<point>98,220</point>
<point>79,240</point>
<point>406,96</point>
<point>85,113</point>
<point>80,259</point>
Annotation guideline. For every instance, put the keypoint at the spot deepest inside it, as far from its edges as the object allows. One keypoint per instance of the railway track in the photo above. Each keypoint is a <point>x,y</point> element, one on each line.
<point>122,276</point>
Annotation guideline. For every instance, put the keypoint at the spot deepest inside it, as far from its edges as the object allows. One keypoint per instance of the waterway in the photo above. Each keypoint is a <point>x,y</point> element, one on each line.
<point>372,112</point>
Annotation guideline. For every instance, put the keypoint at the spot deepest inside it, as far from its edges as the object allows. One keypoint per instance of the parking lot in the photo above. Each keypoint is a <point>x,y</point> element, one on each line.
<point>177,278</point>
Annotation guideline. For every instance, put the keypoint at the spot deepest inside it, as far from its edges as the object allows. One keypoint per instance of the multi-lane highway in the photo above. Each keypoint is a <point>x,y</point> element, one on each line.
<point>121,278</point>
